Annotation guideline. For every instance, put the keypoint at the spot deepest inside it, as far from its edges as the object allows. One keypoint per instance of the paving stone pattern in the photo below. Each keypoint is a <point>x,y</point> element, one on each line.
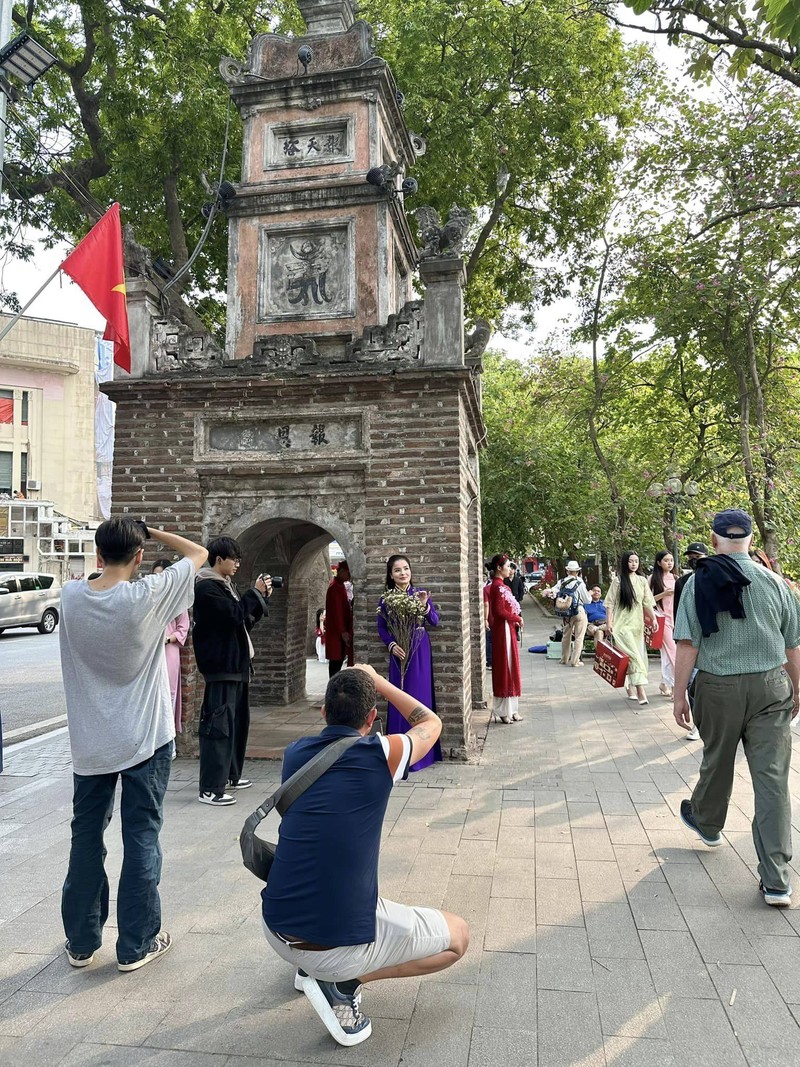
<point>603,935</point>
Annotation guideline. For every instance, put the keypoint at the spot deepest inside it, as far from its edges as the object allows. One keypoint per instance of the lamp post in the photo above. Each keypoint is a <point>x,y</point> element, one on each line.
<point>675,493</point>
<point>25,59</point>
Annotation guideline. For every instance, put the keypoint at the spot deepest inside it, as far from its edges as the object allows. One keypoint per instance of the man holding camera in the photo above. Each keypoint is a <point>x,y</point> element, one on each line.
<point>321,909</point>
<point>223,619</point>
<point>121,726</point>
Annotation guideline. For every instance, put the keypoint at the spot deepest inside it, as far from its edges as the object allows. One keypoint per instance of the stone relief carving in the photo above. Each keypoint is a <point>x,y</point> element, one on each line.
<point>306,272</point>
<point>174,345</point>
<point>311,103</point>
<point>442,239</point>
<point>401,338</point>
<point>284,352</point>
<point>233,71</point>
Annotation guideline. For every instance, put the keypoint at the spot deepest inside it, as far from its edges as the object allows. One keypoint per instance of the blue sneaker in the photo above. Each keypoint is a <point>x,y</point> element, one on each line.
<point>339,1011</point>
<point>776,898</point>
<point>688,819</point>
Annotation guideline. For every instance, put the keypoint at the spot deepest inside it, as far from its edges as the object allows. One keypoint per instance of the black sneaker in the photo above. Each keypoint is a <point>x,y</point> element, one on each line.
<point>688,819</point>
<point>243,783</point>
<point>161,943</point>
<point>78,959</point>
<point>339,1011</point>
<point>776,898</point>
<point>217,800</point>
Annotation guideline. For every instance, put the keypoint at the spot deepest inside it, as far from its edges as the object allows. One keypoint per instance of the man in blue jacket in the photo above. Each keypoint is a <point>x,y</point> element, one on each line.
<point>223,619</point>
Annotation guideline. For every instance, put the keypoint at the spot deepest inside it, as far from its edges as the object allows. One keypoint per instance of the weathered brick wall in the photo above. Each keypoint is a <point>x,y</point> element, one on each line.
<point>412,490</point>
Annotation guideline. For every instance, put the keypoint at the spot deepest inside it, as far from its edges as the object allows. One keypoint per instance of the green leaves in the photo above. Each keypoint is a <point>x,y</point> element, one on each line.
<point>765,34</point>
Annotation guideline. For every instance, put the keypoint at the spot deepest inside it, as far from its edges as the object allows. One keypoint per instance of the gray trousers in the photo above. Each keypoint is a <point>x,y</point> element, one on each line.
<point>755,709</point>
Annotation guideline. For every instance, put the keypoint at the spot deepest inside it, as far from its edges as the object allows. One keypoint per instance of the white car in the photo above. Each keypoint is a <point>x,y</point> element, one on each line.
<point>29,600</point>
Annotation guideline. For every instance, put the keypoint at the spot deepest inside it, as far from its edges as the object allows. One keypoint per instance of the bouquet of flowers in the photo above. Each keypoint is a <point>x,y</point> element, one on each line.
<point>405,619</point>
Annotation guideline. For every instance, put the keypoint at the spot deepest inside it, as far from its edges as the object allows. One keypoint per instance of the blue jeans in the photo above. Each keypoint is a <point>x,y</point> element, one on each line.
<point>84,898</point>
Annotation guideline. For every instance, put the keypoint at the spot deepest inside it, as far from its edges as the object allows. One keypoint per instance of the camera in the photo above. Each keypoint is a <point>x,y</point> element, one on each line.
<point>277,582</point>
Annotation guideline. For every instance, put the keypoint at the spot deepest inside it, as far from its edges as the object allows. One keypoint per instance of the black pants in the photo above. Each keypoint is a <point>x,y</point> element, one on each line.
<point>224,726</point>
<point>334,666</point>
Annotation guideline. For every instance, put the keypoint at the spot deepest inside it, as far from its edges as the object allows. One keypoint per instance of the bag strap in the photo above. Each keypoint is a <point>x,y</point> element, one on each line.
<point>287,793</point>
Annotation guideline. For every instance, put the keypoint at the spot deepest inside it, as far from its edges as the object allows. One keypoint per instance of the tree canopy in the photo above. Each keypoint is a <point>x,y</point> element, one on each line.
<point>736,35</point>
<point>522,104</point>
<point>694,329</point>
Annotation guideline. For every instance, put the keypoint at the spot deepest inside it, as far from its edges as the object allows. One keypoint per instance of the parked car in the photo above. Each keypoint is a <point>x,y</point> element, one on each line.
<point>29,600</point>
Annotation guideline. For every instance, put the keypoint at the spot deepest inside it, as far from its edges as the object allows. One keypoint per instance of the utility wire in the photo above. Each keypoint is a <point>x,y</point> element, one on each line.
<point>35,143</point>
<point>211,215</point>
<point>45,224</point>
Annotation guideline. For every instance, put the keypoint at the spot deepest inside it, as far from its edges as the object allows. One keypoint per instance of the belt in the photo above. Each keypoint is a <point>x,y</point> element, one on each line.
<point>301,946</point>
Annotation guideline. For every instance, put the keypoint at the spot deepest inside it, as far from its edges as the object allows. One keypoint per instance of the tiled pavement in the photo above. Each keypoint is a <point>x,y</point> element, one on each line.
<point>602,936</point>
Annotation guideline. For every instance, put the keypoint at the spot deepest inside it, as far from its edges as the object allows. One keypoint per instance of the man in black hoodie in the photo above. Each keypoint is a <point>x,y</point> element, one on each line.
<point>222,620</point>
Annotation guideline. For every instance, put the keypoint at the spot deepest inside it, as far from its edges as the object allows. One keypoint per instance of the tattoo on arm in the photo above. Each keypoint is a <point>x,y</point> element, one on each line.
<point>418,715</point>
<point>422,732</point>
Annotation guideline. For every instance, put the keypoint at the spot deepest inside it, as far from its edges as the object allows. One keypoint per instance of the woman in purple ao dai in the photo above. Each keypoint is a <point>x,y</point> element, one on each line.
<point>418,678</point>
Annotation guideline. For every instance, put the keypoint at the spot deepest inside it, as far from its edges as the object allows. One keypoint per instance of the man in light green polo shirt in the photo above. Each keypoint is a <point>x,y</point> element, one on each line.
<point>741,629</point>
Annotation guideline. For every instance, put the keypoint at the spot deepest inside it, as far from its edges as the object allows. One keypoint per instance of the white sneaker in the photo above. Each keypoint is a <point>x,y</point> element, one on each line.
<point>78,959</point>
<point>217,800</point>
<point>693,734</point>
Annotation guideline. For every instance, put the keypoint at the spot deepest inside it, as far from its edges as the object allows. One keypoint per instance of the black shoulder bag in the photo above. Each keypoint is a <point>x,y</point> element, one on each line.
<point>257,854</point>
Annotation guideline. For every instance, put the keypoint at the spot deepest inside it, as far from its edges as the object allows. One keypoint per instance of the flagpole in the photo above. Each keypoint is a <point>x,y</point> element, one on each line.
<point>10,325</point>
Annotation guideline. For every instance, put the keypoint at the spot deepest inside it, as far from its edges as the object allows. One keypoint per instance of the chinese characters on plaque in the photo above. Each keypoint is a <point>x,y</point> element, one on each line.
<point>331,144</point>
<point>275,437</point>
<point>306,143</point>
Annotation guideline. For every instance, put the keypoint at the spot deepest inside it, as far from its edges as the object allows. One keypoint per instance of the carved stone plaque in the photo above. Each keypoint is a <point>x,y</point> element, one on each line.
<point>286,436</point>
<point>300,144</point>
<point>306,272</point>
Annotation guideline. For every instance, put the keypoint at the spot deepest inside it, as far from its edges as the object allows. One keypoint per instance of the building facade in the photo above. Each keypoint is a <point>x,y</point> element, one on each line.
<point>47,416</point>
<point>36,537</point>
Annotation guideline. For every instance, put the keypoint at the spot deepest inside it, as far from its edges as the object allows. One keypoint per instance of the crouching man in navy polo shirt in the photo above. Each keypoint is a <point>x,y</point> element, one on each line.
<point>321,908</point>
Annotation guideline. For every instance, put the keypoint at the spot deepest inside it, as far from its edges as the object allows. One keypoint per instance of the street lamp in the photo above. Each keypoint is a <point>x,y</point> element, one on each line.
<point>676,492</point>
<point>25,58</point>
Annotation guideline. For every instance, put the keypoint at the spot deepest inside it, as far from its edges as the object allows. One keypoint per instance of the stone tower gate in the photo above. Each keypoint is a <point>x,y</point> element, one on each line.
<point>342,408</point>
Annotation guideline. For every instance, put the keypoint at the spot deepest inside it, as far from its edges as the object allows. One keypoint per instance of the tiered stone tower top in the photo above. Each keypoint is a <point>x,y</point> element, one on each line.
<point>314,248</point>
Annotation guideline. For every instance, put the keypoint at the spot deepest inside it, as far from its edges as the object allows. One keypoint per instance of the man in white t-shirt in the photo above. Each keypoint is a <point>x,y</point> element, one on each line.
<point>121,726</point>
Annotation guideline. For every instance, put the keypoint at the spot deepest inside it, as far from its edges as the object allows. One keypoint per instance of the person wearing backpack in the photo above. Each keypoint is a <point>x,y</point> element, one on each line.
<point>569,596</point>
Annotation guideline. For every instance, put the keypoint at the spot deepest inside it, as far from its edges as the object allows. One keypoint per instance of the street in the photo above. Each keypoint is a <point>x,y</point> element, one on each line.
<point>31,679</point>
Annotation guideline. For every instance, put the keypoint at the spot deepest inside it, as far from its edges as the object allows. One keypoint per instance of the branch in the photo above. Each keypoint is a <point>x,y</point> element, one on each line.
<point>486,231</point>
<point>177,234</point>
<point>766,205</point>
<point>730,38</point>
<point>143,10</point>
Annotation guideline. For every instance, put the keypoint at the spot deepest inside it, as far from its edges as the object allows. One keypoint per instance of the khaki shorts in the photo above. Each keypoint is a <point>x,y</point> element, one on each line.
<point>402,933</point>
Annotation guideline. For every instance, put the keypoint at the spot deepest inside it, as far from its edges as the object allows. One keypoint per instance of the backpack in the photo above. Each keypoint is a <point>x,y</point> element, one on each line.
<point>567,601</point>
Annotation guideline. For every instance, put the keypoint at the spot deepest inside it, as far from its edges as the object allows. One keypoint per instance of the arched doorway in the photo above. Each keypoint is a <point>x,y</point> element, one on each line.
<point>293,548</point>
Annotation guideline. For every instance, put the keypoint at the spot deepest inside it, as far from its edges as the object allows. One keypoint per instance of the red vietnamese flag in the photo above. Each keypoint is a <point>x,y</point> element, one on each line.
<point>97,266</point>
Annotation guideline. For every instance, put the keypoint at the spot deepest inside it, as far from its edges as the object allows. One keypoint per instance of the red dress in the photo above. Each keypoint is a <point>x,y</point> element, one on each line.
<point>503,614</point>
<point>338,621</point>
